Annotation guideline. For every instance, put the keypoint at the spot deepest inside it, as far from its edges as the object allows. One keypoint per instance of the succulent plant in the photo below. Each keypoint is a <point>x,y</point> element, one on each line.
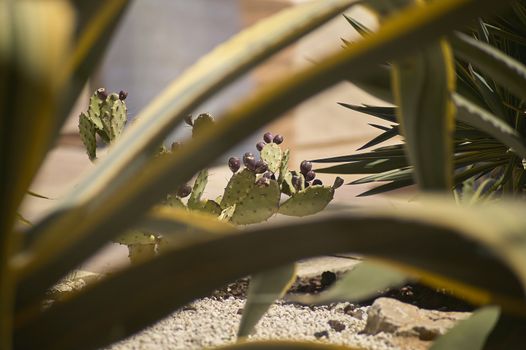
<point>252,194</point>
<point>106,116</point>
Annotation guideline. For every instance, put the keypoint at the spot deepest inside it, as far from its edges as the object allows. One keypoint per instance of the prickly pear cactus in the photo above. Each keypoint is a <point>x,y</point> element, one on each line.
<point>141,252</point>
<point>194,202</point>
<point>211,207</point>
<point>238,188</point>
<point>272,155</point>
<point>87,135</point>
<point>106,117</point>
<point>292,183</point>
<point>135,237</point>
<point>202,122</point>
<point>284,166</point>
<point>308,201</point>
<point>174,201</point>
<point>259,205</point>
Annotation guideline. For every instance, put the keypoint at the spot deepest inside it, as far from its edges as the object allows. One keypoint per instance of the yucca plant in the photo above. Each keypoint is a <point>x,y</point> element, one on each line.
<point>478,253</point>
<point>490,146</point>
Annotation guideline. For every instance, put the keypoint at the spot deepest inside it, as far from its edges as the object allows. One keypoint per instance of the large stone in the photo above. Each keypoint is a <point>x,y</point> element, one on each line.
<point>400,319</point>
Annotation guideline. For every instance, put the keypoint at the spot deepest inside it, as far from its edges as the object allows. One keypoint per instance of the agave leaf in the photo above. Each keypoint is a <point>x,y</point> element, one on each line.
<point>502,68</point>
<point>264,289</point>
<point>423,83</point>
<point>477,252</point>
<point>33,46</point>
<point>471,333</point>
<point>377,83</point>
<point>365,281</point>
<point>477,117</point>
<point>96,23</point>
<point>116,204</point>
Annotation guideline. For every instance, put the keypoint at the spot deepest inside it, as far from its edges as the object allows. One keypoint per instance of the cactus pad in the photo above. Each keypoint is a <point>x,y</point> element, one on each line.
<point>227,213</point>
<point>194,202</point>
<point>211,207</point>
<point>308,201</point>
<point>284,166</point>
<point>271,154</point>
<point>174,201</point>
<point>287,186</point>
<point>135,237</point>
<point>260,204</point>
<point>119,117</point>
<point>202,122</point>
<point>94,111</point>
<point>141,252</point>
<point>238,188</point>
<point>87,135</point>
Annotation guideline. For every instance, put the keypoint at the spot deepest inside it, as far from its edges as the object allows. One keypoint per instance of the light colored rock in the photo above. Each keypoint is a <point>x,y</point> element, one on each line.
<point>392,316</point>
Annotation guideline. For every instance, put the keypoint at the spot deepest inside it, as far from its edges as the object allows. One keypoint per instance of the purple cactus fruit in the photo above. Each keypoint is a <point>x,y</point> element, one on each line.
<point>251,164</point>
<point>184,191</point>
<point>261,167</point>
<point>309,176</point>
<point>122,95</point>
<point>175,146</point>
<point>234,164</point>
<point>248,156</point>
<point>260,145</point>
<point>306,184</point>
<point>263,181</point>
<point>338,182</point>
<point>305,167</point>
<point>102,94</point>
<point>189,120</point>
<point>268,137</point>
<point>317,182</point>
<point>278,139</point>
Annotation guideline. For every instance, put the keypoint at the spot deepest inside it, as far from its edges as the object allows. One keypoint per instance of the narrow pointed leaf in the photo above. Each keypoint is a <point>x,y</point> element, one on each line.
<point>477,117</point>
<point>502,68</point>
<point>423,84</point>
<point>366,280</point>
<point>263,290</point>
<point>471,333</point>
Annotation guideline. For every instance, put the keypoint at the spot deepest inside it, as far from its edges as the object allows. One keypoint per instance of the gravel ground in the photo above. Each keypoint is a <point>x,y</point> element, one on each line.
<point>211,322</point>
